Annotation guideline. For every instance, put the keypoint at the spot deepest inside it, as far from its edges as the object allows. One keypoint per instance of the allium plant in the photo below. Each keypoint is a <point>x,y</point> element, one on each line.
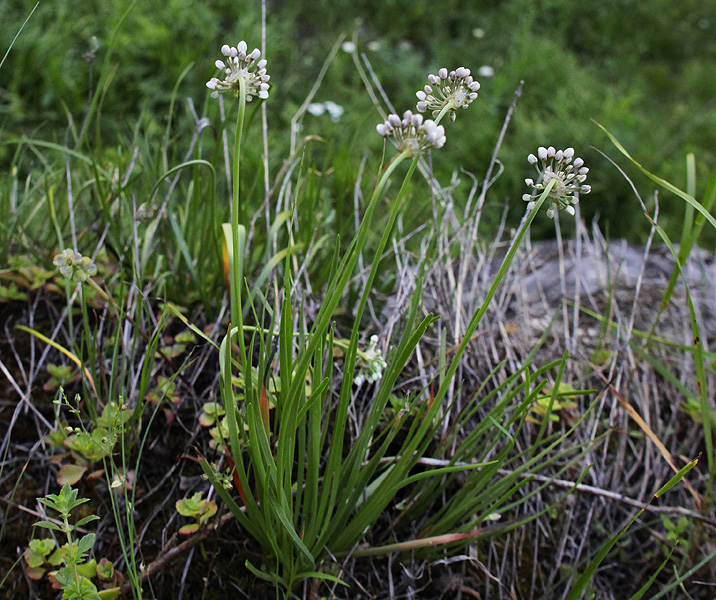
<point>294,468</point>
<point>446,92</point>
<point>304,487</point>
<point>564,174</point>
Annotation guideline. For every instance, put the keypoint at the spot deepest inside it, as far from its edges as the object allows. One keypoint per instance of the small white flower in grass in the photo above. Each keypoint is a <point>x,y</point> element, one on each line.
<point>370,363</point>
<point>568,173</point>
<point>237,65</point>
<point>316,108</point>
<point>348,47</point>
<point>456,89</point>
<point>335,111</point>
<point>486,71</point>
<point>412,132</point>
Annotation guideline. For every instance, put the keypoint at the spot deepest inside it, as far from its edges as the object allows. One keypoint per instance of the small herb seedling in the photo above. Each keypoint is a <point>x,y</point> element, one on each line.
<point>84,448</point>
<point>198,508</point>
<point>74,578</point>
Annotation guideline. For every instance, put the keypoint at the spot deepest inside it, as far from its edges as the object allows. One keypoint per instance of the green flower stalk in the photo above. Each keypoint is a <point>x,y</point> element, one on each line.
<point>412,136</point>
<point>245,78</point>
<point>567,173</point>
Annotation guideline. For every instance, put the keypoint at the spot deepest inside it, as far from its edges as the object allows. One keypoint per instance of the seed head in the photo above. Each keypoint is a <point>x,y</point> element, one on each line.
<point>240,65</point>
<point>568,173</point>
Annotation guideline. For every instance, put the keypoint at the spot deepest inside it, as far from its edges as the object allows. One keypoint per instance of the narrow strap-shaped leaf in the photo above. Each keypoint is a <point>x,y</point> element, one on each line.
<point>588,573</point>
<point>662,182</point>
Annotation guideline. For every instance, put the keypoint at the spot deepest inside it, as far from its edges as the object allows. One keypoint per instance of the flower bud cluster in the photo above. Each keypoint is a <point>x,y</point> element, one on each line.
<point>412,132</point>
<point>370,363</point>
<point>240,65</point>
<point>456,89</point>
<point>74,266</point>
<point>568,173</point>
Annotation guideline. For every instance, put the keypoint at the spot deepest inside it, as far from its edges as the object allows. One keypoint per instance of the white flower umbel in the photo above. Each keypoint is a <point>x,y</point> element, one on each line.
<point>239,65</point>
<point>446,92</point>
<point>568,173</point>
<point>412,133</point>
<point>370,363</point>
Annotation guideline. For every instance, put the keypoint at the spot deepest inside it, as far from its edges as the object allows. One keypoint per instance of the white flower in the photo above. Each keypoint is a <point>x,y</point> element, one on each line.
<point>240,65</point>
<point>568,174</point>
<point>486,71</point>
<point>412,132</point>
<point>316,108</point>
<point>335,111</point>
<point>348,47</point>
<point>456,89</point>
<point>370,363</point>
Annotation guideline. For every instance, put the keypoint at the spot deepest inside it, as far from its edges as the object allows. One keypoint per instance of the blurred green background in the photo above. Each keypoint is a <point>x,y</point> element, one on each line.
<point>646,70</point>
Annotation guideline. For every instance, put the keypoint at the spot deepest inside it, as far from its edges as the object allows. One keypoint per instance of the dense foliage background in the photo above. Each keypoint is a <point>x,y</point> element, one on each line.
<point>644,70</point>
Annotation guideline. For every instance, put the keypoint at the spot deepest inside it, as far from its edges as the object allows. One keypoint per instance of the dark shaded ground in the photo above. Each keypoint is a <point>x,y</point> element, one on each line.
<point>532,562</point>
